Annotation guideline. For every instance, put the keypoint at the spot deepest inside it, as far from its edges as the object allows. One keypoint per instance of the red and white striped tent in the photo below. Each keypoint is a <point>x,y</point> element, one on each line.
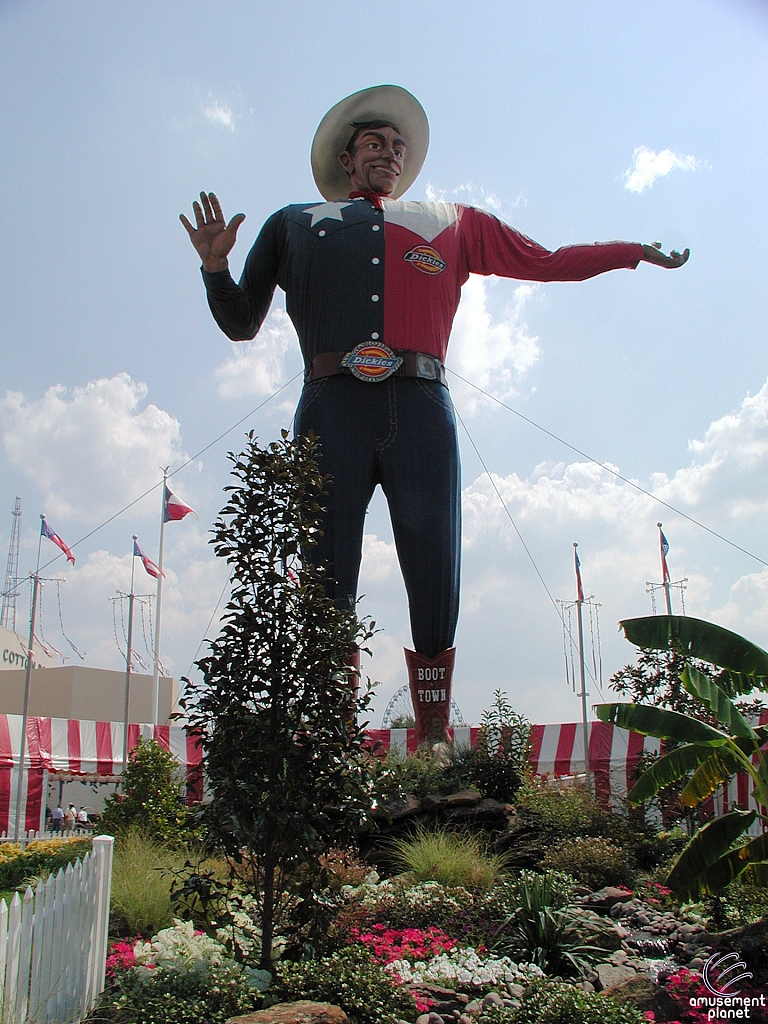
<point>73,747</point>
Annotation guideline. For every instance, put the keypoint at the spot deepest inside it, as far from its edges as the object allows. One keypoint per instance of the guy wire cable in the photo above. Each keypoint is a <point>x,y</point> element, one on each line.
<point>178,469</point>
<point>613,472</point>
<point>553,602</point>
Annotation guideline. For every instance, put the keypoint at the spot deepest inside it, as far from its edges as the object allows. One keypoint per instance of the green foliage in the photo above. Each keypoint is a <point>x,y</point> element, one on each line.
<point>552,1002</point>
<point>592,860</point>
<point>171,994</point>
<point>450,858</point>
<point>495,766</point>
<point>151,796</point>
<point>142,875</point>
<point>542,929</point>
<point>716,854</point>
<point>562,809</point>
<point>500,761</point>
<point>349,978</point>
<point>40,857</point>
<point>284,756</point>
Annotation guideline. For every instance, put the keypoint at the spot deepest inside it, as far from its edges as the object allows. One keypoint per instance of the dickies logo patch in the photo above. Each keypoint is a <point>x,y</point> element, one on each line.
<point>372,362</point>
<point>426,259</point>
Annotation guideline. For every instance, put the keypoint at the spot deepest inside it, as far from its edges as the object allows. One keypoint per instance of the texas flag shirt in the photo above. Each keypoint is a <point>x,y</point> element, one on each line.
<point>353,273</point>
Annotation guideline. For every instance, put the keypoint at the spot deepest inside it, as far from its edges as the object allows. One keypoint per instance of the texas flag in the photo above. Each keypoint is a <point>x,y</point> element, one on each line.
<point>579,588</point>
<point>173,508</point>
<point>664,546</point>
<point>46,531</point>
<point>152,568</point>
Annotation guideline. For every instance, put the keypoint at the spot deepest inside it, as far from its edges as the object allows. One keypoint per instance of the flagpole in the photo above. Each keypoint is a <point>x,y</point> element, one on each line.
<point>128,658</point>
<point>582,673</point>
<point>27,682</point>
<point>159,608</point>
<point>665,575</point>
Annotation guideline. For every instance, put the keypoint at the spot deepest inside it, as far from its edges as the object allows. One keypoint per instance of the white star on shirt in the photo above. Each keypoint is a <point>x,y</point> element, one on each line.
<point>326,211</point>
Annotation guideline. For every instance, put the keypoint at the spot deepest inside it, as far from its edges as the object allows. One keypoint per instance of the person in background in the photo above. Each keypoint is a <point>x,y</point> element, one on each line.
<point>70,818</point>
<point>57,818</point>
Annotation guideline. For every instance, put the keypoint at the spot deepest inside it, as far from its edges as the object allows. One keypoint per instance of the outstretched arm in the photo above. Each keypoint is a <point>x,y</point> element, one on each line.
<point>653,254</point>
<point>213,238</point>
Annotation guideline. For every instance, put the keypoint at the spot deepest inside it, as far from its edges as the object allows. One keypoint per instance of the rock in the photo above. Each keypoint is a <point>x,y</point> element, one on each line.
<point>434,802</point>
<point>464,798</point>
<point>696,964</point>
<point>516,991</point>
<point>423,1018</point>
<point>607,898</point>
<point>641,993</point>
<point>474,1007</point>
<point>642,919</point>
<point>612,974</point>
<point>396,809</point>
<point>492,999</point>
<point>586,986</point>
<point>302,1012</point>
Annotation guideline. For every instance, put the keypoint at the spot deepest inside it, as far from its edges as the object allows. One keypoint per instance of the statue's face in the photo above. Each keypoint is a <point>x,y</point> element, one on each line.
<point>378,161</point>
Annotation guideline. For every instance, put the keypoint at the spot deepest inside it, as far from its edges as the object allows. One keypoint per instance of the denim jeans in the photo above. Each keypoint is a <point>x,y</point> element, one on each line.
<point>400,433</point>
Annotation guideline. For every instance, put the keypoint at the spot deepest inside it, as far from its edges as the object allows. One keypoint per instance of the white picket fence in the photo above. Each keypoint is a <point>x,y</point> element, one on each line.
<point>53,943</point>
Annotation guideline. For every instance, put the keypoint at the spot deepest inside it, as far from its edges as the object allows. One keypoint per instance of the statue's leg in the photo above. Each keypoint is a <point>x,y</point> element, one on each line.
<point>420,475</point>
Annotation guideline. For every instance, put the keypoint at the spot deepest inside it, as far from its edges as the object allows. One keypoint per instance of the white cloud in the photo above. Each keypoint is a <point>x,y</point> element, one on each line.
<point>260,366</point>
<point>379,558</point>
<point>220,114</point>
<point>473,195</point>
<point>493,354</point>
<point>649,165</point>
<point>91,450</point>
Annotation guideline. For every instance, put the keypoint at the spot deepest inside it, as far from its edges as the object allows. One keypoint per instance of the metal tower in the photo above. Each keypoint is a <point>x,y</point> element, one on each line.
<point>8,610</point>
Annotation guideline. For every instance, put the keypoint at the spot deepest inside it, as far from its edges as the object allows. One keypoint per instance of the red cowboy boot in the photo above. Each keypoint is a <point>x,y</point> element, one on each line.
<point>430,683</point>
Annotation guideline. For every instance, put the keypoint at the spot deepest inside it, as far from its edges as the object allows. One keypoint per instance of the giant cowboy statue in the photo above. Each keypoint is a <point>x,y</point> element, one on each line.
<point>372,284</point>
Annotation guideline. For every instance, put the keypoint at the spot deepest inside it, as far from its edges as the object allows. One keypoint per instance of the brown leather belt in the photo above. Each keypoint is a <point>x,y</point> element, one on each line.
<point>414,364</point>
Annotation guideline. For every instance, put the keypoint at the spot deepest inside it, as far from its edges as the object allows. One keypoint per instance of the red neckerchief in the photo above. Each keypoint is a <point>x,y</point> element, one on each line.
<point>373,197</point>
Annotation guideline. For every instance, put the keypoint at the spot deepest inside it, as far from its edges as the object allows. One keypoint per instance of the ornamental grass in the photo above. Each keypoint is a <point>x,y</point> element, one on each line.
<point>450,858</point>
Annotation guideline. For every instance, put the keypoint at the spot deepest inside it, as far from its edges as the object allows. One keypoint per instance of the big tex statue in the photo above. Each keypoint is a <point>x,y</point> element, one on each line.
<point>372,284</point>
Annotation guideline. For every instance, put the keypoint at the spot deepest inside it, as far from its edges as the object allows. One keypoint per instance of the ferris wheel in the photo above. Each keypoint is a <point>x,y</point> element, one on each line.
<point>400,709</point>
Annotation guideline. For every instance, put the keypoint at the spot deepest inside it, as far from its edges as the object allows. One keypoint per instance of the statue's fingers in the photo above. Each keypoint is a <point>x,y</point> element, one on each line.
<point>187,225</point>
<point>235,223</point>
<point>199,219</point>
<point>216,206</point>
<point>207,207</point>
<point>656,245</point>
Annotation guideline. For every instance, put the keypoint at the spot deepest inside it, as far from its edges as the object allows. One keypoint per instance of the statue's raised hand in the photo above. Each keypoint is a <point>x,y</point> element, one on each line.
<point>213,238</point>
<point>653,254</point>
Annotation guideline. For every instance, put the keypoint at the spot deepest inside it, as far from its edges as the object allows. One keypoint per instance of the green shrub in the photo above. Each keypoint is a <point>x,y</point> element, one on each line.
<point>567,809</point>
<point>500,763</point>
<point>558,1003</point>
<point>592,860</point>
<point>151,796</point>
<point>40,857</point>
<point>349,978</point>
<point>176,995</point>
<point>542,929</point>
<point>450,858</point>
<point>142,875</point>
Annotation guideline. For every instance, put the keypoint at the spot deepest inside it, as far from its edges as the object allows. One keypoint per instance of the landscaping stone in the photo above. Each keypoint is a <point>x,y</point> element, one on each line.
<point>474,1007</point>
<point>612,974</point>
<point>464,798</point>
<point>434,802</point>
<point>302,1012</point>
<point>492,999</point>
<point>641,993</point>
<point>604,900</point>
<point>397,808</point>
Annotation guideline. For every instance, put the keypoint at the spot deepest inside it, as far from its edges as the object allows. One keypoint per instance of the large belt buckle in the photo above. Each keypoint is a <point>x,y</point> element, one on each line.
<point>372,362</point>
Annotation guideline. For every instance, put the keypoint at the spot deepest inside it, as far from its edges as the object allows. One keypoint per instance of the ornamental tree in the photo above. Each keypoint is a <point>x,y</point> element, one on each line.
<point>283,751</point>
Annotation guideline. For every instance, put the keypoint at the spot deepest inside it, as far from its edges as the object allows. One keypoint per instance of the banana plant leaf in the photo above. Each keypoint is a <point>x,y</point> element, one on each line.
<point>725,711</point>
<point>705,849</point>
<point>746,663</point>
<point>668,769</point>
<point>756,874</point>
<point>735,863</point>
<point>707,777</point>
<point>666,725</point>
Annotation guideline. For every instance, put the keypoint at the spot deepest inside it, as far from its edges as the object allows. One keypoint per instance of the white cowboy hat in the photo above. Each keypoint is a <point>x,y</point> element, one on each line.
<point>381,103</point>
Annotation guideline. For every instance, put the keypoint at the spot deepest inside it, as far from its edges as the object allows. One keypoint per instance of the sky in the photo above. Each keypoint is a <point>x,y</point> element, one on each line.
<point>573,121</point>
